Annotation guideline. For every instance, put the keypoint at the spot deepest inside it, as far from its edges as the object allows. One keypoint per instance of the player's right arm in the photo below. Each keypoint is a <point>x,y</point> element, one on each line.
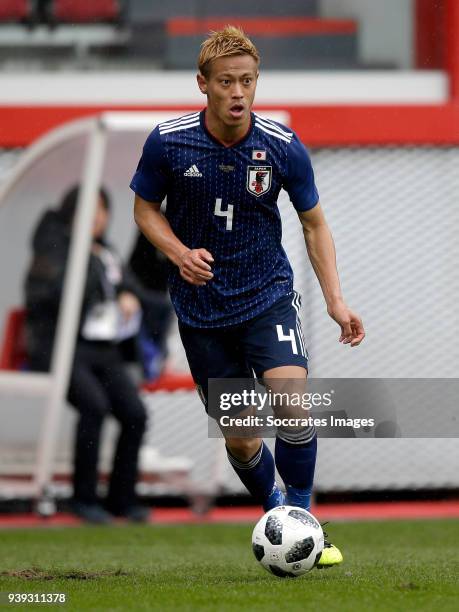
<point>194,264</point>
<point>151,183</point>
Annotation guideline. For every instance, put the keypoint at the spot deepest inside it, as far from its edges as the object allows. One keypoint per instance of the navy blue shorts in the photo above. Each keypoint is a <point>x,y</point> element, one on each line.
<point>273,338</point>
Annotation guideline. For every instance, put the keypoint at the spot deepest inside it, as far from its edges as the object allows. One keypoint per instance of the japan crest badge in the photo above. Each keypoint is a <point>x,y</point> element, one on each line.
<point>259,180</point>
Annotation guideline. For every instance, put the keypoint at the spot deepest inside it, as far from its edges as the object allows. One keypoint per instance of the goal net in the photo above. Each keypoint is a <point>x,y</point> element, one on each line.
<point>394,216</point>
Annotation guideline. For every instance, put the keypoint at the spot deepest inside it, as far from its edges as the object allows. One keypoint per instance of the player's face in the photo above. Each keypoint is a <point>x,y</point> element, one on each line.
<point>230,89</point>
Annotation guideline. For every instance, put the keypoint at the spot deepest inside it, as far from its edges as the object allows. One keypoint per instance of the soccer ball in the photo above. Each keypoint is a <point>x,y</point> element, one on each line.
<point>288,541</point>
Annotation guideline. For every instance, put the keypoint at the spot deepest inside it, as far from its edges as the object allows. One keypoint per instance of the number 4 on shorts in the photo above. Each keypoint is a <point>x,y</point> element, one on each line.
<point>287,338</point>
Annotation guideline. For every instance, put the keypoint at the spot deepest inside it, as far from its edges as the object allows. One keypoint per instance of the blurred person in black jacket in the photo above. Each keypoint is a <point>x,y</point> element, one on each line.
<point>99,384</point>
<point>150,268</point>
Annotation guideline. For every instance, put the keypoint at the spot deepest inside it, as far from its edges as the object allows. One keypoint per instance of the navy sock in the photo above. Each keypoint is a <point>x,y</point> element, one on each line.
<point>257,474</point>
<point>295,464</point>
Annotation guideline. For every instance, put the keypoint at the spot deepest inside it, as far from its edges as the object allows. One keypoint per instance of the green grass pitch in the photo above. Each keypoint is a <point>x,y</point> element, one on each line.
<point>390,566</point>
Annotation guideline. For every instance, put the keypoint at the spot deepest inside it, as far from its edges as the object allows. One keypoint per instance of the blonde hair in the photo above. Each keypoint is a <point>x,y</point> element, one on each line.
<point>225,43</point>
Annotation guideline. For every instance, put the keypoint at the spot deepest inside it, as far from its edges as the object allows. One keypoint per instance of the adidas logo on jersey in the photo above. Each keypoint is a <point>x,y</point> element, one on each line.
<point>192,171</point>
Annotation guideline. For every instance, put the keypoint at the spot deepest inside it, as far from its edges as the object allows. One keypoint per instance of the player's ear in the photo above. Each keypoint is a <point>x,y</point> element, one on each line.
<point>202,82</point>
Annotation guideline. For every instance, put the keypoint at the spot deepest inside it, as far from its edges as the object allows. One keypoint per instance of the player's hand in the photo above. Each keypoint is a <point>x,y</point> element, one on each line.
<point>129,304</point>
<point>195,266</point>
<point>352,331</point>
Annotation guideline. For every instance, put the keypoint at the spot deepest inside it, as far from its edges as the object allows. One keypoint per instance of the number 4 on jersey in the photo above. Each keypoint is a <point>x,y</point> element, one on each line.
<point>228,213</point>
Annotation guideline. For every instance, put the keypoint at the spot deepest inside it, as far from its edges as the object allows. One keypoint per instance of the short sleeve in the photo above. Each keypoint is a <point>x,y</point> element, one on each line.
<point>299,181</point>
<point>150,180</point>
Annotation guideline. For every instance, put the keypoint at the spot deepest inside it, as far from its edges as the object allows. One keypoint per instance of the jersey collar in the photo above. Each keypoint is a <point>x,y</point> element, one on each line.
<point>202,119</point>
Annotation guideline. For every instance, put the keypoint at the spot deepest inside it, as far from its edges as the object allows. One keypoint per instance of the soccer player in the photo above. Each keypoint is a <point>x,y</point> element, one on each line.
<point>230,281</point>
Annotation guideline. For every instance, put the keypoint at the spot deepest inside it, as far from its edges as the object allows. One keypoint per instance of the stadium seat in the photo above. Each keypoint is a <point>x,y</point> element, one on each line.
<point>14,10</point>
<point>288,42</point>
<point>170,381</point>
<point>13,354</point>
<point>86,11</point>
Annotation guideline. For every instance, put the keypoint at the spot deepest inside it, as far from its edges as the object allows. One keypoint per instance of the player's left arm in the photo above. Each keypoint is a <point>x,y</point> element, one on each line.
<point>321,251</point>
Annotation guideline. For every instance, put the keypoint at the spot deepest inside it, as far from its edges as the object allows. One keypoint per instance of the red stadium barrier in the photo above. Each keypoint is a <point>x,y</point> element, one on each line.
<point>315,125</point>
<point>249,514</point>
<point>84,11</point>
<point>14,10</point>
<point>259,26</point>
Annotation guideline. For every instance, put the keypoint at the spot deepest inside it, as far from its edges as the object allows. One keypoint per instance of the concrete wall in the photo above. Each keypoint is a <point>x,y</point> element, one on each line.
<point>179,88</point>
<point>385,28</point>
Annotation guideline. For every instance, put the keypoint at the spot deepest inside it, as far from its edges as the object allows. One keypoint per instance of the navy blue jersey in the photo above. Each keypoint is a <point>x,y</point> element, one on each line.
<point>224,199</point>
